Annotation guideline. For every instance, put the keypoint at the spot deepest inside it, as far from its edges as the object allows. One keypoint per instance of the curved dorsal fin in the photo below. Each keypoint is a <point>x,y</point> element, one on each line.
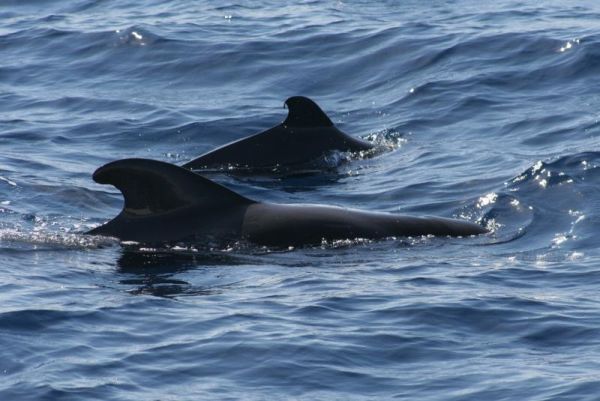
<point>303,112</point>
<point>153,187</point>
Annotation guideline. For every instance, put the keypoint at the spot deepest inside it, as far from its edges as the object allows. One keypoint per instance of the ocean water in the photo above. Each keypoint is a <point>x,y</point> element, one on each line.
<point>486,111</point>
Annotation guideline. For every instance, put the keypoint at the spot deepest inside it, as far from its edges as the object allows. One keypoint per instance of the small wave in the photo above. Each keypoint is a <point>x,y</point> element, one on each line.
<point>566,169</point>
<point>549,202</point>
<point>504,215</point>
<point>559,333</point>
<point>136,36</point>
<point>32,34</point>
<point>34,319</point>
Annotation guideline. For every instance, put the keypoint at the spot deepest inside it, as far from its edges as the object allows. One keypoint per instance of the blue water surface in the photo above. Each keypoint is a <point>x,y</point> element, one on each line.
<point>484,110</point>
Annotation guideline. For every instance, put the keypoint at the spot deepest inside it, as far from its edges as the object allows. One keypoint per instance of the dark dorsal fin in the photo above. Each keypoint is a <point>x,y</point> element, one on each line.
<point>303,112</point>
<point>153,187</point>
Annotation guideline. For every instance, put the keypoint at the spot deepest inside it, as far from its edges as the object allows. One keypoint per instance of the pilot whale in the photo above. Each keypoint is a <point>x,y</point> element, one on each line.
<point>304,136</point>
<point>165,203</point>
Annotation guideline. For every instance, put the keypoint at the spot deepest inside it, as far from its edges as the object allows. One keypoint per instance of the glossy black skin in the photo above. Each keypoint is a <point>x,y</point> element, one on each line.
<point>165,204</point>
<point>306,135</point>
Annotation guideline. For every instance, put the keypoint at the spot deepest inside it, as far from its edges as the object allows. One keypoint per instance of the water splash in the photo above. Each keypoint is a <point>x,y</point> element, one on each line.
<point>386,140</point>
<point>54,240</point>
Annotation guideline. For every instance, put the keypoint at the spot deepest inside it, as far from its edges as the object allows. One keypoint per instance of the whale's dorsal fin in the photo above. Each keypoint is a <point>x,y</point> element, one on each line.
<point>303,112</point>
<point>153,187</point>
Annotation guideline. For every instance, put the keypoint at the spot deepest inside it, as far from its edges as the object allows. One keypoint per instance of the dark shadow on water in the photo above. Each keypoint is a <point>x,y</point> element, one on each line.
<point>152,272</point>
<point>297,182</point>
<point>164,261</point>
<point>288,181</point>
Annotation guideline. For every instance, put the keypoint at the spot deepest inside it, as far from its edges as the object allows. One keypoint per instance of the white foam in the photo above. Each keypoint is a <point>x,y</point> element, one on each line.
<point>53,239</point>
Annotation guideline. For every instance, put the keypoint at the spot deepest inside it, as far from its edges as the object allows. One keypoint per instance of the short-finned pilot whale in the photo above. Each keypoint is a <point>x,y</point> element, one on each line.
<point>165,203</point>
<point>306,135</point>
